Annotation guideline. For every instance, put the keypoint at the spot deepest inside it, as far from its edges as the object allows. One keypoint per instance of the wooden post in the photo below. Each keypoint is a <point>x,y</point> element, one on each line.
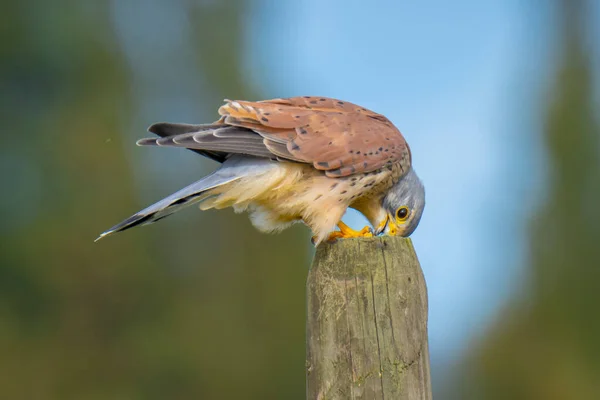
<point>367,322</point>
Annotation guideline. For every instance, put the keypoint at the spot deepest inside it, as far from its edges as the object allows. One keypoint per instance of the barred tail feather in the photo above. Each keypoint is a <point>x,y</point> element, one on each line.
<point>193,193</point>
<point>233,169</point>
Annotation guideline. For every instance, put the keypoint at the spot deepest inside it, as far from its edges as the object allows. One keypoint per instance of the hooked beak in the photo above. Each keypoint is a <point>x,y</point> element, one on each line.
<point>387,226</point>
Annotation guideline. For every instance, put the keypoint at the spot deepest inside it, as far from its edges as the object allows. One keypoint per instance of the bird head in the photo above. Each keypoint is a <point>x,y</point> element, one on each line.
<point>404,204</point>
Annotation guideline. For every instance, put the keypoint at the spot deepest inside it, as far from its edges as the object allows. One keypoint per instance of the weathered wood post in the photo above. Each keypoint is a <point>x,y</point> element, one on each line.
<point>367,322</point>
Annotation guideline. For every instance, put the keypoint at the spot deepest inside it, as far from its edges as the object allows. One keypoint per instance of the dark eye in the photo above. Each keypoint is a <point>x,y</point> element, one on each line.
<point>402,213</point>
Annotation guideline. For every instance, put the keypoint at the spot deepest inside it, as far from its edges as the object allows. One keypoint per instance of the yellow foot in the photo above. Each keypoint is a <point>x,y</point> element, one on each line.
<point>349,232</point>
<point>346,232</point>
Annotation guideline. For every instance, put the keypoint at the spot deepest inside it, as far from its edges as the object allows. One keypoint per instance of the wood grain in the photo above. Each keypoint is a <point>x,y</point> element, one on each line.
<point>367,322</point>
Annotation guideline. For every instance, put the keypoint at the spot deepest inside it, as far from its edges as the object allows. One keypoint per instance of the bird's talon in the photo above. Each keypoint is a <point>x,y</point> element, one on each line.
<point>366,232</point>
<point>346,232</point>
<point>334,236</point>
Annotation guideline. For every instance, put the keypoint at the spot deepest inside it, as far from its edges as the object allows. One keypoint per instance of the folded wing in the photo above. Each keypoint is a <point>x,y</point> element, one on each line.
<point>337,137</point>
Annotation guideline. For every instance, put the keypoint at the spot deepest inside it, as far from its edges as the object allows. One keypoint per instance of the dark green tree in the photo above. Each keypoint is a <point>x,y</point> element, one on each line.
<point>211,310</point>
<point>546,345</point>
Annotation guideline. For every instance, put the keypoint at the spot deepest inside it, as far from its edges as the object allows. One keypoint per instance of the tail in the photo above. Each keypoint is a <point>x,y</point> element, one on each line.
<point>232,170</point>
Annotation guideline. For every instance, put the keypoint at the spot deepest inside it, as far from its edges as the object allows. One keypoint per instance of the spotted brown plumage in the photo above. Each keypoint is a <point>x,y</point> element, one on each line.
<point>298,159</point>
<point>337,137</point>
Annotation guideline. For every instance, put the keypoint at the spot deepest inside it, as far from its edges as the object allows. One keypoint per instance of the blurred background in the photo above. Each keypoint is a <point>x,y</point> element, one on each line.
<point>498,100</point>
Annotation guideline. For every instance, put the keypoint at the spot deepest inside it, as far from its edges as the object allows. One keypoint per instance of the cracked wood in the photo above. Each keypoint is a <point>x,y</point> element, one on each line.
<point>367,322</point>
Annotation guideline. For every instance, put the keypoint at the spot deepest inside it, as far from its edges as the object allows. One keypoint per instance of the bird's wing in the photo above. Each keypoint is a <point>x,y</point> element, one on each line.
<point>337,137</point>
<point>166,129</point>
<point>214,138</point>
<point>334,136</point>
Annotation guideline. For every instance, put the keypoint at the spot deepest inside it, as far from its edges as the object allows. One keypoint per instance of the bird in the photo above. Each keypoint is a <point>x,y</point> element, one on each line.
<point>299,159</point>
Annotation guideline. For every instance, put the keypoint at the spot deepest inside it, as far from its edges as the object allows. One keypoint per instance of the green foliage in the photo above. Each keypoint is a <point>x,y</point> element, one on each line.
<point>210,310</point>
<point>546,344</point>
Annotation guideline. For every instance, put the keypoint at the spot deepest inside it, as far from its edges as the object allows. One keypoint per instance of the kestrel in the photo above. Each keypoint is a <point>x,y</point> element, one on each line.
<point>298,159</point>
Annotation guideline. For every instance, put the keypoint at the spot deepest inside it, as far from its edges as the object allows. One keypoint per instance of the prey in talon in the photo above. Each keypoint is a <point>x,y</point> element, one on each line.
<point>302,159</point>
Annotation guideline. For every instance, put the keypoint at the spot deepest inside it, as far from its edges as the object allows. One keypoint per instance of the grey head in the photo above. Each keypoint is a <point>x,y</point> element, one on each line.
<point>404,204</point>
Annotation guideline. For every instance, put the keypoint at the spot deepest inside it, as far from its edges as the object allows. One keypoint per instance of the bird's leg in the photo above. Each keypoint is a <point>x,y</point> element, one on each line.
<point>346,232</point>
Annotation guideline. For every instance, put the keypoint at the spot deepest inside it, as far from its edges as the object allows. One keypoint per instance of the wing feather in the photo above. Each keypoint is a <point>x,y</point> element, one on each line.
<point>337,137</point>
<point>220,139</point>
